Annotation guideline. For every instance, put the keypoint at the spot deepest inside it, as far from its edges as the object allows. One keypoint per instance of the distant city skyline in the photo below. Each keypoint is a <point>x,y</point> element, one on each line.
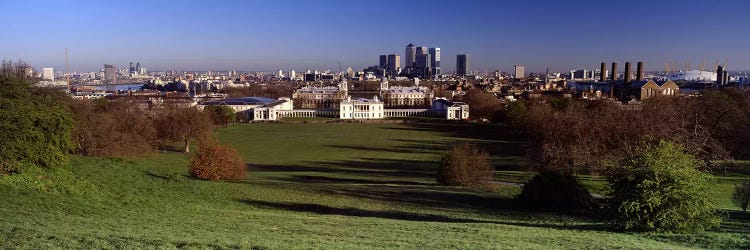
<point>285,35</point>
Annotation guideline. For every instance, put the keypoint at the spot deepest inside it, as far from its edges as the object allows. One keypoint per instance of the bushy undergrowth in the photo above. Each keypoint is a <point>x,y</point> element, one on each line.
<point>32,178</point>
<point>35,124</point>
<point>214,161</point>
<point>553,191</point>
<point>465,165</point>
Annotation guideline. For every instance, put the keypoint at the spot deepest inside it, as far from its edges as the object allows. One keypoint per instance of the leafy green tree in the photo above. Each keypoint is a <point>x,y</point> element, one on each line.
<point>741,195</point>
<point>483,105</point>
<point>35,126</point>
<point>515,113</point>
<point>661,189</point>
<point>221,114</point>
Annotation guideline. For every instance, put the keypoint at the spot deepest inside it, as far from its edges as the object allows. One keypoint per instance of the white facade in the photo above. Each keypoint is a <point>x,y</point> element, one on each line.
<point>269,112</point>
<point>48,74</point>
<point>451,110</point>
<point>90,95</point>
<point>361,109</point>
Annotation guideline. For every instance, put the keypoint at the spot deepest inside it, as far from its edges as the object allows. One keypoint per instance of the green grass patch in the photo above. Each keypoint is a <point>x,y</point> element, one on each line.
<point>310,186</point>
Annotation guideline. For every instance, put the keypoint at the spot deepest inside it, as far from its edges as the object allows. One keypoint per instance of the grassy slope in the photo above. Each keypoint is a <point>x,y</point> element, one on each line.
<point>310,186</point>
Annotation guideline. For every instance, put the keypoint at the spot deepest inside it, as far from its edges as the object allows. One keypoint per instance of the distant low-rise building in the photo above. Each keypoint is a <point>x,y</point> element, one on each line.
<point>451,110</point>
<point>311,97</point>
<point>269,112</point>
<point>644,89</point>
<point>240,104</point>
<point>361,108</point>
<point>401,97</point>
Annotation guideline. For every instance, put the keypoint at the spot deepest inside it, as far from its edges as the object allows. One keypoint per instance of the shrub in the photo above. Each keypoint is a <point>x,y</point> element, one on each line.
<point>741,195</point>
<point>465,165</point>
<point>661,189</point>
<point>214,161</point>
<point>35,124</point>
<point>551,190</point>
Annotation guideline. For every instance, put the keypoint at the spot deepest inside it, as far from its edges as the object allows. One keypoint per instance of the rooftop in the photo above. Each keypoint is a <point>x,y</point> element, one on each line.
<point>241,101</point>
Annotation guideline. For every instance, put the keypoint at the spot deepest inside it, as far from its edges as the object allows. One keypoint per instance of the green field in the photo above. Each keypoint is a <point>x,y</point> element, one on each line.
<point>316,186</point>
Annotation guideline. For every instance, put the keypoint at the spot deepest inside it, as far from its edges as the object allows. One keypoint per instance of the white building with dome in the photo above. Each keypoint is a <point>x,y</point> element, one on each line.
<point>693,76</point>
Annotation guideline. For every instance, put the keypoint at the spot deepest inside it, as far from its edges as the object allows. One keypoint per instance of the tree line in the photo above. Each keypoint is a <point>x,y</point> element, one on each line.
<point>657,159</point>
<point>41,126</point>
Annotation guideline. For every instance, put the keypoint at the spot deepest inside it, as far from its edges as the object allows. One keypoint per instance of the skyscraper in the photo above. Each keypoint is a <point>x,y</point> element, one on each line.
<point>394,64</point>
<point>423,50</point>
<point>110,73</point>
<point>423,65</point>
<point>383,61</point>
<point>520,72</point>
<point>138,68</point>
<point>48,74</point>
<point>462,64</point>
<point>435,63</point>
<point>411,55</point>
<point>132,68</point>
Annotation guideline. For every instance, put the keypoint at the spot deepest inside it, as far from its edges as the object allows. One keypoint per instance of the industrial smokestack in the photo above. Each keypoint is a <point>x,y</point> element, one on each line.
<point>720,75</point>
<point>627,72</point>
<point>614,71</point>
<point>601,72</point>
<point>639,72</point>
<point>726,77</point>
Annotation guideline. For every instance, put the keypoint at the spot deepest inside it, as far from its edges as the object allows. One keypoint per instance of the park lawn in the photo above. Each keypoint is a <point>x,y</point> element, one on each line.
<point>312,186</point>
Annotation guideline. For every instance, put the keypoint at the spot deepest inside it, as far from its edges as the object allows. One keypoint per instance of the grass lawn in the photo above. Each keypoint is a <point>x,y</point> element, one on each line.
<point>314,186</point>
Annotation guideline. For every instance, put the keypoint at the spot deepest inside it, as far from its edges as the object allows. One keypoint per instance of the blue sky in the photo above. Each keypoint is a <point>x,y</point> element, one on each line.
<point>272,35</point>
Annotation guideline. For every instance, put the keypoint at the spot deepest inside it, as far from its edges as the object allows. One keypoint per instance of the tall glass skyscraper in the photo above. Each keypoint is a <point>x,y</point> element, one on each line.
<point>411,55</point>
<point>462,65</point>
<point>435,57</point>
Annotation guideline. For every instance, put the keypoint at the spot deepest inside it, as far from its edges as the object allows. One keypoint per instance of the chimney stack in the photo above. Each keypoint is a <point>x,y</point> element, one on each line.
<point>614,71</point>
<point>726,77</point>
<point>639,72</point>
<point>627,72</point>
<point>719,75</point>
<point>602,77</point>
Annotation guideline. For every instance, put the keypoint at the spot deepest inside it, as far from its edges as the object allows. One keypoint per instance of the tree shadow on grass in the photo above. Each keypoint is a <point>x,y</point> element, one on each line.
<point>336,180</point>
<point>735,222</point>
<point>367,167</point>
<point>402,149</point>
<point>350,211</point>
<point>464,130</point>
<point>401,215</point>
